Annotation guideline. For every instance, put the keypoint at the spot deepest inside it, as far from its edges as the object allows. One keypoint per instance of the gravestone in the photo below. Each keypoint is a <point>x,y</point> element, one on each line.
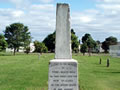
<point>38,56</point>
<point>100,61</point>
<point>63,70</point>
<point>108,63</point>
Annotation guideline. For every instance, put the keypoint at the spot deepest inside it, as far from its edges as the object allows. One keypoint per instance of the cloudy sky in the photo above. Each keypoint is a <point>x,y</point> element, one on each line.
<point>100,18</point>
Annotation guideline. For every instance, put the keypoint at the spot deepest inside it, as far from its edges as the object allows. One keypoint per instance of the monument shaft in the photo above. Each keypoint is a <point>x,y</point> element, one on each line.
<point>63,33</point>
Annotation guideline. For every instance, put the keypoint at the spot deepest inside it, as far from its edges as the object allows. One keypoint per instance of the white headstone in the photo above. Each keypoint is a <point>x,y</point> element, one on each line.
<point>63,70</point>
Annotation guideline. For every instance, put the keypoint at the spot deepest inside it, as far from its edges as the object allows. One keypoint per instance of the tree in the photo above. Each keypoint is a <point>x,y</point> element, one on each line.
<point>112,40</point>
<point>74,42</point>
<point>83,48</point>
<point>109,41</point>
<point>49,42</point>
<point>17,35</point>
<point>105,46</point>
<point>85,37</point>
<point>40,47</point>
<point>3,43</point>
<point>98,42</point>
<point>26,37</point>
<point>27,50</point>
<point>91,44</point>
<point>72,31</point>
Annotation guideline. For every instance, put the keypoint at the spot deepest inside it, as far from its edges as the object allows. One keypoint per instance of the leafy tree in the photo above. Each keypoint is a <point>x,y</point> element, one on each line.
<point>3,43</point>
<point>26,37</point>
<point>74,42</point>
<point>83,48</point>
<point>27,50</point>
<point>108,41</point>
<point>49,41</point>
<point>91,44</point>
<point>112,40</point>
<point>17,35</point>
<point>40,47</point>
<point>85,37</point>
<point>98,42</point>
<point>105,46</point>
<point>72,31</point>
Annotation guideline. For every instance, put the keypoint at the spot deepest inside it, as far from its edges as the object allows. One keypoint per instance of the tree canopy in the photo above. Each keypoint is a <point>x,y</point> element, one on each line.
<point>3,43</point>
<point>91,44</point>
<point>17,35</point>
<point>40,47</point>
<point>74,41</point>
<point>108,41</point>
<point>49,42</point>
<point>83,48</point>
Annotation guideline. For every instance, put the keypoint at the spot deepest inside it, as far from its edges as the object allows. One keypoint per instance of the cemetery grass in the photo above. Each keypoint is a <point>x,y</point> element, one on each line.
<point>27,72</point>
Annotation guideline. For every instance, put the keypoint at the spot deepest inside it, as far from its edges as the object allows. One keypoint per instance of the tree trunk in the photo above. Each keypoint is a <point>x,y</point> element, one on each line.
<point>83,54</point>
<point>89,51</point>
<point>14,51</point>
<point>18,49</point>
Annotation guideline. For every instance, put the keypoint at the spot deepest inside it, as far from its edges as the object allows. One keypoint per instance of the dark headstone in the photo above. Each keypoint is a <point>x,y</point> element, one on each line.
<point>100,61</point>
<point>108,62</point>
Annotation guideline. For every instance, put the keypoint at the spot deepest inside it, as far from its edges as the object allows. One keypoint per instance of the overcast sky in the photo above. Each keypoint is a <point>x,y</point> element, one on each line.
<point>100,18</point>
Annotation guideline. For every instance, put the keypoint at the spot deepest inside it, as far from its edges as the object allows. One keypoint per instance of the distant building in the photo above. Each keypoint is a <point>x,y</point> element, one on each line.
<point>9,50</point>
<point>100,48</point>
<point>32,47</point>
<point>21,49</point>
<point>114,50</point>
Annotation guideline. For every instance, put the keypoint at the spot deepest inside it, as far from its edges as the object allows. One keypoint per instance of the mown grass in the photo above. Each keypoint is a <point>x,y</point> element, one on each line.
<point>27,72</point>
<point>93,76</point>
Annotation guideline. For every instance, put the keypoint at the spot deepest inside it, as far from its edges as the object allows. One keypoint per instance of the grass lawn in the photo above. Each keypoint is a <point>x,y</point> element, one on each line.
<point>27,72</point>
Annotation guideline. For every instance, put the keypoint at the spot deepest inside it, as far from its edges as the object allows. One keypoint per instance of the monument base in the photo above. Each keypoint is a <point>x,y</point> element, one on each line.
<point>63,74</point>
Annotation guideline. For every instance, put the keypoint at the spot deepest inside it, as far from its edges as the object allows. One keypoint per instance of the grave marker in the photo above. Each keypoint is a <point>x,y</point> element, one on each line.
<point>100,61</point>
<point>63,70</point>
<point>108,63</point>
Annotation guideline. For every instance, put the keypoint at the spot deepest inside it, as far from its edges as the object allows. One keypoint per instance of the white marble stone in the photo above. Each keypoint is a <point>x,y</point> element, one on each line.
<point>63,70</point>
<point>63,74</point>
<point>63,33</point>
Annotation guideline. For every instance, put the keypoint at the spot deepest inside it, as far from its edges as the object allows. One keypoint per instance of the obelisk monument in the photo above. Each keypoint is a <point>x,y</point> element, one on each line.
<point>63,70</point>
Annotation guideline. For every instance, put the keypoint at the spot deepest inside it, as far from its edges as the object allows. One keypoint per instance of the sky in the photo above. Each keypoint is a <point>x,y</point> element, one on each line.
<point>100,18</point>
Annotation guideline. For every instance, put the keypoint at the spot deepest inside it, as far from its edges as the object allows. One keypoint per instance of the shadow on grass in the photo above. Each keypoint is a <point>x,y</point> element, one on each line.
<point>99,65</point>
<point>6,54</point>
<point>114,72</point>
<point>117,72</point>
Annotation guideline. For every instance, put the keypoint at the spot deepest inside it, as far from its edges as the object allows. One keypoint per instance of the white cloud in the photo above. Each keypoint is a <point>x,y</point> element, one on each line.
<point>109,6</point>
<point>86,19</point>
<point>18,13</point>
<point>46,1</point>
<point>43,7</point>
<point>111,1</point>
<point>21,3</point>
